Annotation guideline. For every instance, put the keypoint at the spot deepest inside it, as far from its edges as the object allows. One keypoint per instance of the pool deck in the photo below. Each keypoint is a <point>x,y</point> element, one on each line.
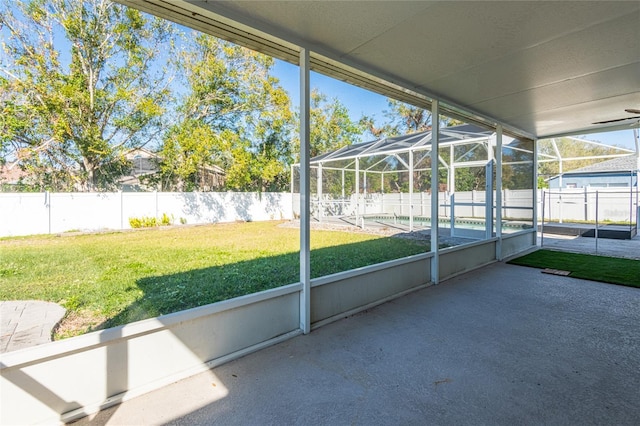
<point>628,249</point>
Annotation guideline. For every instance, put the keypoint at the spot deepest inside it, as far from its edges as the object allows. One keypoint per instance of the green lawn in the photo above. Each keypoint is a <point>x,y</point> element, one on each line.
<point>110,279</point>
<point>596,268</point>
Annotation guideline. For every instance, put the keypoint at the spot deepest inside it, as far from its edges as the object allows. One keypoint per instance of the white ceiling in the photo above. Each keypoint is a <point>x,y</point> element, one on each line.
<point>543,67</point>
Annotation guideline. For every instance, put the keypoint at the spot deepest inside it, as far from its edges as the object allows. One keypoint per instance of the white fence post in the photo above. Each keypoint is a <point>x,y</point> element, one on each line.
<point>47,201</point>
<point>121,210</point>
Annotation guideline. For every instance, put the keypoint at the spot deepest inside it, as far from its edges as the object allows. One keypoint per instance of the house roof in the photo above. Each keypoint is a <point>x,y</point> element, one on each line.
<point>628,163</point>
<point>542,68</point>
<point>132,153</point>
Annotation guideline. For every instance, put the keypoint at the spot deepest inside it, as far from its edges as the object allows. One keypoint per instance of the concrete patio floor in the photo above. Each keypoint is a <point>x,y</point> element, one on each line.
<point>501,345</point>
<point>629,249</point>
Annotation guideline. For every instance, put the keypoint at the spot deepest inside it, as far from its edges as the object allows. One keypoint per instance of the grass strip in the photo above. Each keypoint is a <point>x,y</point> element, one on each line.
<point>589,267</point>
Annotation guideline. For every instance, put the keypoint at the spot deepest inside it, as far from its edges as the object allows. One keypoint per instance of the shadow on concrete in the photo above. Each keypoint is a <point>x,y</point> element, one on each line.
<point>500,345</point>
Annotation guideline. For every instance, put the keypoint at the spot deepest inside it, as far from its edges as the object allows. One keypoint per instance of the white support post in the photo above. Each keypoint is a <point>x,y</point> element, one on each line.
<point>630,201</point>
<point>536,219</point>
<point>121,209</point>
<point>473,203</point>
<point>435,130</point>
<point>561,174</point>
<point>596,230</point>
<point>488,200</point>
<point>410,191</point>
<point>382,192</point>
<point>535,190</point>
<point>292,182</point>
<point>364,192</point>
<point>636,139</point>
<point>319,192</point>
<point>305,223</point>
<point>498,189</point>
<point>343,185</point>
<point>452,172</point>
<point>452,218</point>
<point>357,190</point>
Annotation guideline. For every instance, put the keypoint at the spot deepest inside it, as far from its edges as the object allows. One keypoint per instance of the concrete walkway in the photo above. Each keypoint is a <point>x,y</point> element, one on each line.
<point>629,249</point>
<point>27,323</point>
<point>501,345</point>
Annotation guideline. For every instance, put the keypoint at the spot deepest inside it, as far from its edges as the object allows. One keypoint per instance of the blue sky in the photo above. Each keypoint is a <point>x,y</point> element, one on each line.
<point>361,102</point>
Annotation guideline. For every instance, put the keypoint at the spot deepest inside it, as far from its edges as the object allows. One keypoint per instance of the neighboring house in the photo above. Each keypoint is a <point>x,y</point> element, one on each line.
<point>146,163</point>
<point>12,176</point>
<point>620,172</point>
<point>211,178</point>
<point>143,163</point>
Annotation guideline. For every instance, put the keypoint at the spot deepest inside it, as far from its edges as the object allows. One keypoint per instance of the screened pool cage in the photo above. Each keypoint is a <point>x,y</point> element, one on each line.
<point>386,183</point>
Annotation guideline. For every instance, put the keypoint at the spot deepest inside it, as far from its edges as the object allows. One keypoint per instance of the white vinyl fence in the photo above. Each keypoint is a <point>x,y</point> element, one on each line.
<point>568,205</point>
<point>517,204</point>
<point>589,204</point>
<point>47,213</point>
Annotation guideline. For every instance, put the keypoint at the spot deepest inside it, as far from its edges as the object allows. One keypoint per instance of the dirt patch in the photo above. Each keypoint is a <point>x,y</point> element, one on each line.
<point>76,323</point>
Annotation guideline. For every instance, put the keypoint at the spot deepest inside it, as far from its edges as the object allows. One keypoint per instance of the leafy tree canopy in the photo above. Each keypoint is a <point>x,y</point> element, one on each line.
<point>79,83</point>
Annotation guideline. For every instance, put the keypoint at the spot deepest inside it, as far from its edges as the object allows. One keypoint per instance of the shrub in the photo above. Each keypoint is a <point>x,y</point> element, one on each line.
<point>150,222</point>
<point>166,220</point>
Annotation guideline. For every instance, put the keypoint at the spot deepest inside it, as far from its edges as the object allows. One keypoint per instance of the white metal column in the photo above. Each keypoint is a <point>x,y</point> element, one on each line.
<point>560,183</point>
<point>535,192</point>
<point>319,192</point>
<point>411,192</point>
<point>498,189</point>
<point>452,170</point>
<point>357,191</point>
<point>636,140</point>
<point>305,234</point>
<point>488,200</point>
<point>435,130</point>
<point>364,193</point>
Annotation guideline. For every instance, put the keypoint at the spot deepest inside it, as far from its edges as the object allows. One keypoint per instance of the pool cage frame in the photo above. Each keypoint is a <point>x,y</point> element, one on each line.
<point>562,195</point>
<point>412,154</point>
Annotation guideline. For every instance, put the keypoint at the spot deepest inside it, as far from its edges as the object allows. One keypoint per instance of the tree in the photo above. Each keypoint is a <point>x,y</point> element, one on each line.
<point>331,126</point>
<point>232,113</point>
<point>403,119</point>
<point>186,152</point>
<point>80,83</point>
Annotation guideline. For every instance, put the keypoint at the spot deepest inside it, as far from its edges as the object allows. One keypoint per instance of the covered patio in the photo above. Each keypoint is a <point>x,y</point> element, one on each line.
<point>503,344</point>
